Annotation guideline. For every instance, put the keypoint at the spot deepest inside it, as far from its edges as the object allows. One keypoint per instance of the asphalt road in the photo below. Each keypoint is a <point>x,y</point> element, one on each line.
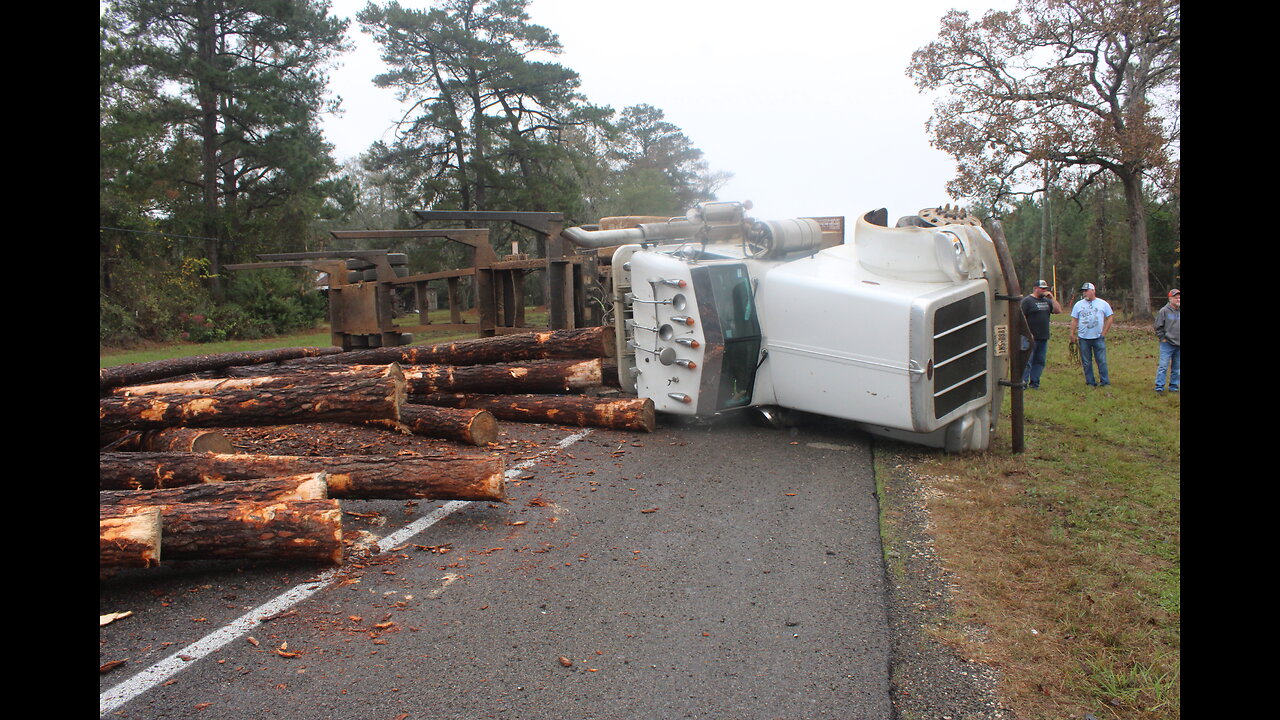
<point>701,571</point>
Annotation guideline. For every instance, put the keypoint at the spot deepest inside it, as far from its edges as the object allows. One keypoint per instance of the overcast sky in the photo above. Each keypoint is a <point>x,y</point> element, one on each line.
<point>806,102</point>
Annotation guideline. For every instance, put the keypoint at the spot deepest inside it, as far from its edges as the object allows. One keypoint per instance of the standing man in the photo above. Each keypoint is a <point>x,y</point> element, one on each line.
<point>1090,320</point>
<point>1036,308</point>
<point>1168,329</point>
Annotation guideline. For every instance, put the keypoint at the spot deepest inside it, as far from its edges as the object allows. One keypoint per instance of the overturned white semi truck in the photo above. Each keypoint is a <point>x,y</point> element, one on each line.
<point>903,330</point>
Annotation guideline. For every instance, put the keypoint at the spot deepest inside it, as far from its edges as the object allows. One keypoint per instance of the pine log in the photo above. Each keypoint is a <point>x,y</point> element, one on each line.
<point>474,427</point>
<point>130,537</point>
<point>166,439</point>
<point>589,342</point>
<point>436,477</point>
<point>299,398</point>
<point>533,376</point>
<point>134,373</point>
<point>258,377</point>
<point>627,413</point>
<point>303,531</point>
<point>294,488</point>
<point>548,376</point>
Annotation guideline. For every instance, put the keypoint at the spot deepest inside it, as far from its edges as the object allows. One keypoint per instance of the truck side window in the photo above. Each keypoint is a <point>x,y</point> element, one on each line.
<point>731,287</point>
<point>736,310</point>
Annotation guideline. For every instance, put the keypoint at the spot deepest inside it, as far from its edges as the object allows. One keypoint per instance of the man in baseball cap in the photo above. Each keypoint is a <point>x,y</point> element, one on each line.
<point>1036,308</point>
<point>1090,320</point>
<point>1169,332</point>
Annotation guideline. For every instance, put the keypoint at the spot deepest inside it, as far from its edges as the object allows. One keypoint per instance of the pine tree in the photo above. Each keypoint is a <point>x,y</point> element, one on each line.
<point>240,85</point>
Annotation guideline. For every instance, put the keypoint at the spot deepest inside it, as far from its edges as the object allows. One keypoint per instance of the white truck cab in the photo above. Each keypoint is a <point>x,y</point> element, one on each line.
<point>900,331</point>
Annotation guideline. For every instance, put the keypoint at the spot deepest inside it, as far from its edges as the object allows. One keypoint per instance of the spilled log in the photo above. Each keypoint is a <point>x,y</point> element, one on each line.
<point>133,373</point>
<point>436,477</point>
<point>302,531</point>
<point>592,342</point>
<point>473,427</point>
<point>166,439</point>
<point>299,398</point>
<point>625,413</point>
<point>533,376</point>
<point>294,488</point>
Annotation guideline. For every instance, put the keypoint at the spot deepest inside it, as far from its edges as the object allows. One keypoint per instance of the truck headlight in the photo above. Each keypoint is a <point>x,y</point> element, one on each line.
<point>950,253</point>
<point>962,257</point>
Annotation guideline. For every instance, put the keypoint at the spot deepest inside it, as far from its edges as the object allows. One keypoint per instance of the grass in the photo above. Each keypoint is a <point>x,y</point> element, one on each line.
<point>1069,553</point>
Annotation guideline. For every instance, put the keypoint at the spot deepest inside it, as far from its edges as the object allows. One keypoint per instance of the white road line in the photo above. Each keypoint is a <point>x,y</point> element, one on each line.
<point>161,671</point>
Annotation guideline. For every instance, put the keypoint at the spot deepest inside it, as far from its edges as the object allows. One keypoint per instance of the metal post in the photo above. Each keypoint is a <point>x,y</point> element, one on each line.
<point>1016,331</point>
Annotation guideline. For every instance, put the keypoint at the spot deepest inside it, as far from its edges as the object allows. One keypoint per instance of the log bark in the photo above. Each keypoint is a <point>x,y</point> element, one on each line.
<point>130,537</point>
<point>474,427</point>
<point>134,373</point>
<point>533,376</point>
<point>293,488</point>
<point>592,342</point>
<point>304,531</point>
<point>297,398</point>
<point>167,439</point>
<point>437,477</point>
<point>629,413</point>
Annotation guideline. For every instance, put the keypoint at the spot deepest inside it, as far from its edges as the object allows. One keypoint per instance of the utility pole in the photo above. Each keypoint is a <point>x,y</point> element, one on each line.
<point>1044,219</point>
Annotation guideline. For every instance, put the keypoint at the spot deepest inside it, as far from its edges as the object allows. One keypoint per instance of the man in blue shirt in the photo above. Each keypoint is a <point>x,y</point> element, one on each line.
<point>1090,320</point>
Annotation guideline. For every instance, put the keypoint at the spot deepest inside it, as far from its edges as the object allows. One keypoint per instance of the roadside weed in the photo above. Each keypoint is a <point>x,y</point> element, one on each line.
<point>1068,553</point>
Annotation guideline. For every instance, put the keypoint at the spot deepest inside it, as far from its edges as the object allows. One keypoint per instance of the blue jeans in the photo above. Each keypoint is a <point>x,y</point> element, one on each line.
<point>1089,351</point>
<point>1170,360</point>
<point>1035,364</point>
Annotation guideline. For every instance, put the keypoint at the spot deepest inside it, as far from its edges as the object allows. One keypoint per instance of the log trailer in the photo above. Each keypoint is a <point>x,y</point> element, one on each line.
<point>904,330</point>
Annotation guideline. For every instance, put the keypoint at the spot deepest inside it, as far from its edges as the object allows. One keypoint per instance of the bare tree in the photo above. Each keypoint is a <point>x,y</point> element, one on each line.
<point>1088,87</point>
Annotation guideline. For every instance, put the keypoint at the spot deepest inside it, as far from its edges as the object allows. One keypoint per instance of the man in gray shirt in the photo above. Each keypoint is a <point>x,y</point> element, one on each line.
<point>1036,308</point>
<point>1169,331</point>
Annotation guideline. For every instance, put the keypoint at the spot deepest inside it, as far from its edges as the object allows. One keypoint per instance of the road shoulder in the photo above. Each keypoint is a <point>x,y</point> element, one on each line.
<point>929,677</point>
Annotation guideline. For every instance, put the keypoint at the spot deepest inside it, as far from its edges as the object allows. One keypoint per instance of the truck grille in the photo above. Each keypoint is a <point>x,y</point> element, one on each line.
<point>959,354</point>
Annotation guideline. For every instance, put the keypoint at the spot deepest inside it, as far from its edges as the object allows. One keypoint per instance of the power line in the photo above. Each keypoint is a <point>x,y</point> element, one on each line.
<point>152,232</point>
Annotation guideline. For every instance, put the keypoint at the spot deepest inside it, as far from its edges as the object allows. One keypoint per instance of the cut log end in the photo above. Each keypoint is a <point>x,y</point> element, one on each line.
<point>484,428</point>
<point>129,538</point>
